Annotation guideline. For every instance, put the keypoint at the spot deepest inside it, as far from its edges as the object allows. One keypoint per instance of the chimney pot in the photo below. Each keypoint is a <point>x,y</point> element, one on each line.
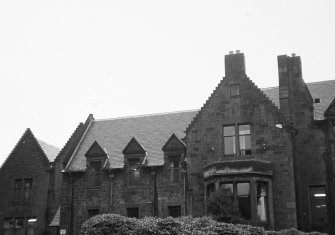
<point>231,52</point>
<point>238,51</point>
<point>293,54</point>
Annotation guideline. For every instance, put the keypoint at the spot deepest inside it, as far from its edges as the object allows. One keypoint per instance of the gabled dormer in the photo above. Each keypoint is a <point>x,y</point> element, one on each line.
<point>96,157</point>
<point>174,152</point>
<point>133,147</point>
<point>134,159</point>
<point>174,144</point>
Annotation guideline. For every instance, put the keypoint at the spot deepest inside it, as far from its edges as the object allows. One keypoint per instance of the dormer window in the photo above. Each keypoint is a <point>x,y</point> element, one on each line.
<point>134,171</point>
<point>96,157</point>
<point>95,173</point>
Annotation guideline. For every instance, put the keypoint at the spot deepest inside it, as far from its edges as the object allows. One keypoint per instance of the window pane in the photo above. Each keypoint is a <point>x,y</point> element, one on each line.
<point>17,189</point>
<point>262,201</point>
<point>227,188</point>
<point>229,130</point>
<point>243,189</point>
<point>244,206</point>
<point>229,145</point>
<point>245,142</point>
<point>96,167</point>
<point>244,129</point>
<point>92,212</point>
<point>243,197</point>
<point>234,90</point>
<point>174,211</point>
<point>133,212</point>
<point>8,223</point>
<point>19,222</point>
<point>28,185</point>
<point>210,189</point>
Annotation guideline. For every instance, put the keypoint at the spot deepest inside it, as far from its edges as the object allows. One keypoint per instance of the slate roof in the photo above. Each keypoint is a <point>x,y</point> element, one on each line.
<point>153,131</point>
<point>325,90</point>
<point>50,151</point>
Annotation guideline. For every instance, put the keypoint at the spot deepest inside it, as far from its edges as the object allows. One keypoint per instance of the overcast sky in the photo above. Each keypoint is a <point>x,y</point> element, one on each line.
<point>61,60</point>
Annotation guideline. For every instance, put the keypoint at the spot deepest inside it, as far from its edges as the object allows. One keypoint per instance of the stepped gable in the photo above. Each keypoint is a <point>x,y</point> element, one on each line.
<point>216,91</point>
<point>324,90</point>
<point>151,132</point>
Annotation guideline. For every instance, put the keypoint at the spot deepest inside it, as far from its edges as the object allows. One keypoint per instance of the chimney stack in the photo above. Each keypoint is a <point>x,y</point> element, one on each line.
<point>234,63</point>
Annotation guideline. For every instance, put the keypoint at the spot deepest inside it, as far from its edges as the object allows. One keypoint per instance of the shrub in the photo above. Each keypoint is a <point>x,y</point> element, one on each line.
<point>110,224</point>
<point>222,208</point>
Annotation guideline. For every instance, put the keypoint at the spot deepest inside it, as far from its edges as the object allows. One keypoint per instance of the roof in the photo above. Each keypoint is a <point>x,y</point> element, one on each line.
<point>325,90</point>
<point>151,131</point>
<point>50,151</point>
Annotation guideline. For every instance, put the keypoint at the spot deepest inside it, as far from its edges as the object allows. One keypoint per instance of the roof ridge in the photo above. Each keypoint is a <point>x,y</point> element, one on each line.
<point>44,142</point>
<point>146,115</point>
<point>307,83</point>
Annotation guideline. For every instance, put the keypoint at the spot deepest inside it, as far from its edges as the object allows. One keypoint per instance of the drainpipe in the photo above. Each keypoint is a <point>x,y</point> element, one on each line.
<point>110,203</point>
<point>72,205</point>
<point>185,186</point>
<point>154,196</point>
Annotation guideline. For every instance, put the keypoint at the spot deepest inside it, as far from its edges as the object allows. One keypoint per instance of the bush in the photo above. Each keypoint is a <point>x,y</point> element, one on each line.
<point>222,208</point>
<point>110,224</point>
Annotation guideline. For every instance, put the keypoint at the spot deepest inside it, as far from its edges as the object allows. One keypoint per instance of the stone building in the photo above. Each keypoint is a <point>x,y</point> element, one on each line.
<point>272,149</point>
<point>26,181</point>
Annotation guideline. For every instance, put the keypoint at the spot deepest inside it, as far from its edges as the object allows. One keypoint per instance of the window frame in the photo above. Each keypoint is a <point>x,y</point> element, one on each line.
<point>19,193</point>
<point>95,177</point>
<point>231,90</point>
<point>132,209</point>
<point>134,180</point>
<point>92,212</point>
<point>174,170</point>
<point>238,151</point>
<point>171,208</point>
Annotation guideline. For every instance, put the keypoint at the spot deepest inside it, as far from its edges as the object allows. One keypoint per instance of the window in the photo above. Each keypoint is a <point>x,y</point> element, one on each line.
<point>318,208</point>
<point>234,90</point>
<point>22,189</point>
<point>228,189</point>
<point>231,140</point>
<point>19,222</point>
<point>174,168</point>
<point>8,223</point>
<point>245,139</point>
<point>134,171</point>
<point>262,201</point>
<point>133,212</point>
<point>243,199</point>
<point>17,189</point>
<point>210,189</point>
<point>92,212</point>
<point>95,173</point>
<point>28,185</point>
<point>239,193</point>
<point>174,211</point>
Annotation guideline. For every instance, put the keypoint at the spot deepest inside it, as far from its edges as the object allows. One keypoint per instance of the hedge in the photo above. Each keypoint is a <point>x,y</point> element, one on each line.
<point>110,224</point>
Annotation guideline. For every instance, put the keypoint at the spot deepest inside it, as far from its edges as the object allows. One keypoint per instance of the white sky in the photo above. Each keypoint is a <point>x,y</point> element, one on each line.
<point>61,60</point>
